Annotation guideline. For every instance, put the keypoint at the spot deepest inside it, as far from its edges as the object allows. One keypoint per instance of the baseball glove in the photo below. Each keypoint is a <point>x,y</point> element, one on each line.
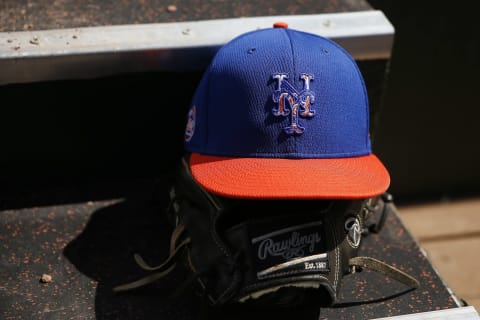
<point>268,252</point>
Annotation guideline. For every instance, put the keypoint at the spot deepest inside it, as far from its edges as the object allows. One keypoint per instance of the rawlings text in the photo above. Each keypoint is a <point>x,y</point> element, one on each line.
<point>292,247</point>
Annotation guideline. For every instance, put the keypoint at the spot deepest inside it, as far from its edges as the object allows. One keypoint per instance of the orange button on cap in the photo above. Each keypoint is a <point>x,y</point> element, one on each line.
<point>280,24</point>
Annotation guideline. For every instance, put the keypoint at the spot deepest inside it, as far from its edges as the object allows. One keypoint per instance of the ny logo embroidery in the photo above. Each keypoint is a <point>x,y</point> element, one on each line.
<point>292,102</point>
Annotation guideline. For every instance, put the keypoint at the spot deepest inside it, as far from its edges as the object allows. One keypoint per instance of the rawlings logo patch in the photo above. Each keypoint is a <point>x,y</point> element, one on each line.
<point>294,250</point>
<point>292,102</point>
<point>293,247</point>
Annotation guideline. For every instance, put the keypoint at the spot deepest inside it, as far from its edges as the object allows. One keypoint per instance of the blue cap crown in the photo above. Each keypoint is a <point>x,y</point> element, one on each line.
<point>280,93</point>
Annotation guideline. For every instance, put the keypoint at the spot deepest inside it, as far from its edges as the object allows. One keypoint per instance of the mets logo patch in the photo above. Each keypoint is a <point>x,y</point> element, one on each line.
<point>292,102</point>
<point>190,127</point>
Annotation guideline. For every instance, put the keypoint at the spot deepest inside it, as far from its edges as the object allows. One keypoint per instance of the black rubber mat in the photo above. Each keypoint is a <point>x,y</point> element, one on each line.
<point>86,248</point>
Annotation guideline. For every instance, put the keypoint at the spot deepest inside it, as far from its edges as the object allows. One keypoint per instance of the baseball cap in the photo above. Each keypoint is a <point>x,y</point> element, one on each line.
<point>283,114</point>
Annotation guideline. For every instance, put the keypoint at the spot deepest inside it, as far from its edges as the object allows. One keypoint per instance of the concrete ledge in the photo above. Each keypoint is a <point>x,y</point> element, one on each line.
<point>90,52</point>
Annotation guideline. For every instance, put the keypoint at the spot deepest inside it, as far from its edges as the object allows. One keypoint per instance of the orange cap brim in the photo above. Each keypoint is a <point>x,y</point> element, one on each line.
<point>266,178</point>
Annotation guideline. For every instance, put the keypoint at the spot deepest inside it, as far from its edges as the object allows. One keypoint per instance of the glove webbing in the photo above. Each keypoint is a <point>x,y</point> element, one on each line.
<point>166,266</point>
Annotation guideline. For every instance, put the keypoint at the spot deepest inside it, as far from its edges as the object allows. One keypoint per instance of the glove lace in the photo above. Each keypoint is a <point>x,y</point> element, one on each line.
<point>164,268</point>
<point>358,263</point>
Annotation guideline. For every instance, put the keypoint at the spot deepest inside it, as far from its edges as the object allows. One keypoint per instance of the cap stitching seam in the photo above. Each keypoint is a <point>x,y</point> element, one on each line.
<point>294,75</point>
<point>207,116</point>
<point>365,94</point>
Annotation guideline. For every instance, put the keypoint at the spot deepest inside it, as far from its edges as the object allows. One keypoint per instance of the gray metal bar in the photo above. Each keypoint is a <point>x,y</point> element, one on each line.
<point>29,56</point>
<point>462,313</point>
